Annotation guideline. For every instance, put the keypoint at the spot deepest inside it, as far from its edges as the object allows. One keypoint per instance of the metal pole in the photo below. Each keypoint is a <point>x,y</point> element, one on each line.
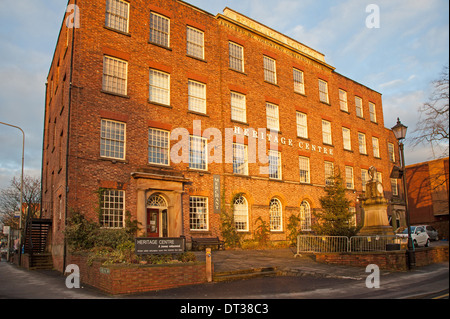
<point>21,184</point>
<point>410,251</point>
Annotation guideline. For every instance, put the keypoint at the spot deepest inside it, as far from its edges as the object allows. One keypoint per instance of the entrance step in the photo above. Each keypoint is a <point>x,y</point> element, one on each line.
<point>243,274</point>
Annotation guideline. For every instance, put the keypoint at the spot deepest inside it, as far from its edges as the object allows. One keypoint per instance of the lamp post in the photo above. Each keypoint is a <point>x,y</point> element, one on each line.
<point>21,184</point>
<point>400,133</point>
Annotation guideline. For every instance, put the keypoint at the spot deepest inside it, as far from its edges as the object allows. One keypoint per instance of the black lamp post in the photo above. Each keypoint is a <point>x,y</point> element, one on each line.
<point>400,133</point>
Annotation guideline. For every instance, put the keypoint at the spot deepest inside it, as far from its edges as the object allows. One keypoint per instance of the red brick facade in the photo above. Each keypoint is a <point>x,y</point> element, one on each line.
<point>74,170</point>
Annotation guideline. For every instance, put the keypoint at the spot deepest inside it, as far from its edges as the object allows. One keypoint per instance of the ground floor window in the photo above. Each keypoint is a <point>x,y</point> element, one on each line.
<point>198,213</point>
<point>112,208</point>
<point>240,211</point>
<point>276,215</point>
<point>305,216</point>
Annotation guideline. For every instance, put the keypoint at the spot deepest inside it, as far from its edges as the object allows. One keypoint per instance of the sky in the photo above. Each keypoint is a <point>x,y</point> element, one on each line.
<point>398,59</point>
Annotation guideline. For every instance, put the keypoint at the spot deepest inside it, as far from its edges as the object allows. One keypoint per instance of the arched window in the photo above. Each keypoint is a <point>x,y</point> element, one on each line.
<point>305,216</point>
<point>276,215</point>
<point>240,211</point>
<point>156,201</point>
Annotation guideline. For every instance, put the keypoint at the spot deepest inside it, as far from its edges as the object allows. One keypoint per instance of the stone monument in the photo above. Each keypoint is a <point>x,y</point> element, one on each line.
<point>375,209</point>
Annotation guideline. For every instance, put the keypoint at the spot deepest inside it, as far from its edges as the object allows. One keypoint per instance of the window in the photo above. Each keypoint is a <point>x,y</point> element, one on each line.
<point>238,107</point>
<point>240,211</point>
<point>326,132</point>
<point>305,216</point>
<point>394,187</point>
<point>391,150</point>
<point>112,208</point>
<point>273,122</point>
<point>302,125</point>
<point>198,153</point>
<point>323,91</point>
<point>362,143</point>
<point>197,96</point>
<point>352,220</point>
<point>270,70</point>
<point>198,213</point>
<point>364,178</point>
<point>359,109</point>
<point>114,75</point>
<point>117,15</point>
<point>373,112</point>
<point>343,100</point>
<point>347,139</point>
<point>299,83</point>
<point>195,43</point>
<point>240,159</point>
<point>159,87</point>
<point>274,164</point>
<point>329,173</point>
<point>112,139</point>
<point>349,177</point>
<point>158,147</point>
<point>276,215</point>
<point>159,29</point>
<point>376,147</point>
<point>236,57</point>
<point>304,170</point>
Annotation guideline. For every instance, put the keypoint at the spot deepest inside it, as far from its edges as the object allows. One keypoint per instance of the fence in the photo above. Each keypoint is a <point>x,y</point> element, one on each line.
<point>336,244</point>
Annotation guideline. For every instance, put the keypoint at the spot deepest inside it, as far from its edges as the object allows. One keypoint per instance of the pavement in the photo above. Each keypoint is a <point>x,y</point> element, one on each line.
<point>19,283</point>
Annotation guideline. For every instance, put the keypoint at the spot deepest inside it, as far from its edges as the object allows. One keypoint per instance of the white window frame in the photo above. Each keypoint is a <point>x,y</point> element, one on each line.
<point>195,43</point>
<point>305,216</point>
<point>276,215</point>
<point>349,178</point>
<point>159,91</point>
<point>343,100</point>
<point>373,112</point>
<point>240,152</point>
<point>113,209</point>
<point>323,91</point>
<point>115,75</point>
<point>376,147</point>
<point>198,154</point>
<point>238,107</point>
<point>197,96</point>
<point>240,214</point>
<point>326,132</point>
<point>198,206</point>
<point>305,173</point>
<point>113,142</point>
<point>346,137</point>
<point>362,143</point>
<point>394,186</point>
<point>275,168</point>
<point>270,70</point>
<point>117,15</point>
<point>236,56</point>
<point>359,107</point>
<point>329,173</point>
<point>302,124</point>
<point>391,151</point>
<point>364,178</point>
<point>158,35</point>
<point>299,81</point>
<point>160,147</point>
<point>273,117</point>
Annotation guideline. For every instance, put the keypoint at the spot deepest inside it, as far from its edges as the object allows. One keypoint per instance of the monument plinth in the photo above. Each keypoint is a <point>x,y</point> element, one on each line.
<point>375,209</point>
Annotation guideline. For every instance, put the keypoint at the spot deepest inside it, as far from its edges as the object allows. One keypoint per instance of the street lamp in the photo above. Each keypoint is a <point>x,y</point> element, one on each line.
<point>400,133</point>
<point>21,184</point>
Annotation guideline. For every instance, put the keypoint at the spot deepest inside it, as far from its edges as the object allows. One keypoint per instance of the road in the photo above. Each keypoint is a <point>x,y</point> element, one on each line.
<point>425,282</point>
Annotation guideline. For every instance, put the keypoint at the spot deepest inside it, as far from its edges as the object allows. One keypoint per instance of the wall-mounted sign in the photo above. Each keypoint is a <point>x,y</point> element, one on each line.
<point>159,246</point>
<point>217,194</point>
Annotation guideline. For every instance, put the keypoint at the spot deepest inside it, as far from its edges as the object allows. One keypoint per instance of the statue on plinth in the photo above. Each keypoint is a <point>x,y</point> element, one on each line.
<point>375,209</point>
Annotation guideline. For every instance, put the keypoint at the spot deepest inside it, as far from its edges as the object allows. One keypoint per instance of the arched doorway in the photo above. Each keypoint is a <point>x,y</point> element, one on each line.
<point>157,216</point>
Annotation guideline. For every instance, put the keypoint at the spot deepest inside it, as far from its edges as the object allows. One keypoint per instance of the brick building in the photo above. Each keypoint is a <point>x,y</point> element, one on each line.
<point>428,194</point>
<point>174,114</point>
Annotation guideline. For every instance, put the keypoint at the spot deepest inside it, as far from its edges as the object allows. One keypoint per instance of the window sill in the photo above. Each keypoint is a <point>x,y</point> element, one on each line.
<point>115,94</point>
<point>113,160</point>
<point>117,31</point>
<point>160,104</point>
<point>301,94</point>
<point>160,45</point>
<point>196,170</point>
<point>344,111</point>
<point>238,71</point>
<point>274,84</point>
<point>239,122</point>
<point>196,58</point>
<point>198,113</point>
<point>326,103</point>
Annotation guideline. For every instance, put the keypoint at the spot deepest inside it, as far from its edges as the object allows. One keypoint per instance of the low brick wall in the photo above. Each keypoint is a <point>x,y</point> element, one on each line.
<point>389,260</point>
<point>129,279</point>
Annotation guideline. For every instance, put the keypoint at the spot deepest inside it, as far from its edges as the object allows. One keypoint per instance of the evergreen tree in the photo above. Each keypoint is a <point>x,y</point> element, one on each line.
<point>334,219</point>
